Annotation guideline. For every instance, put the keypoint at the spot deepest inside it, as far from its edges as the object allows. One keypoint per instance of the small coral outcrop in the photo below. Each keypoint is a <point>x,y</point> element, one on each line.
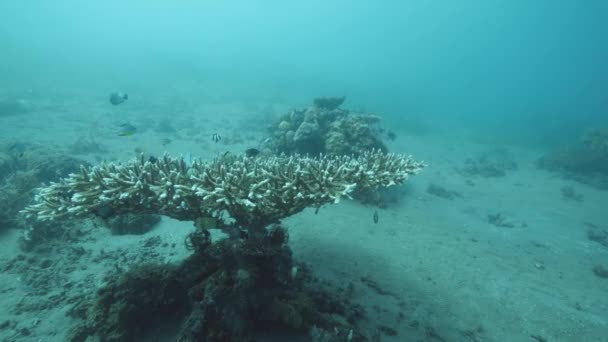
<point>585,161</point>
<point>326,128</point>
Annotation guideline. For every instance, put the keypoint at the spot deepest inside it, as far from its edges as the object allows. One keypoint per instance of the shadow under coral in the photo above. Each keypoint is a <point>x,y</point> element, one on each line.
<point>235,289</point>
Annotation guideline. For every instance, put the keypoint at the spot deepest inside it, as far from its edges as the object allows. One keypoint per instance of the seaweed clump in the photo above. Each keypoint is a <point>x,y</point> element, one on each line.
<point>325,128</point>
<point>585,161</point>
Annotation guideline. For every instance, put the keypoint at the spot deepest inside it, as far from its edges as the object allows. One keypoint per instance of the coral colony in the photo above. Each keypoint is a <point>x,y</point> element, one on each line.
<point>326,128</point>
<point>235,288</point>
<point>251,190</point>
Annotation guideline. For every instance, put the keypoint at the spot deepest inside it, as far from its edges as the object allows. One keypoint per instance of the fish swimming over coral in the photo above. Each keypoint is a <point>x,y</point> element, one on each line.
<point>216,137</point>
<point>126,130</point>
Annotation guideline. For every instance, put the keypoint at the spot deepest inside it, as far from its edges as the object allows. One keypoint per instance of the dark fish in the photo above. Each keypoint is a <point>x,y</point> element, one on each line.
<point>152,159</point>
<point>104,212</point>
<point>126,130</point>
<point>216,137</point>
<point>376,217</point>
<point>317,210</point>
<point>252,152</point>
<point>118,98</point>
<point>166,141</point>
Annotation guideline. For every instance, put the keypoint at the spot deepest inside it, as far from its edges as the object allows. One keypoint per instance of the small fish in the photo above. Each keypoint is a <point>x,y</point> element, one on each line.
<point>317,210</point>
<point>216,137</point>
<point>126,130</point>
<point>252,152</point>
<point>152,159</point>
<point>166,141</point>
<point>376,217</point>
<point>118,98</point>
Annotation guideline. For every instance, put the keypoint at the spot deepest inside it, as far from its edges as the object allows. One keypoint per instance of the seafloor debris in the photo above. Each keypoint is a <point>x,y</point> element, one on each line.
<point>570,193</point>
<point>499,221</point>
<point>597,234</point>
<point>494,163</point>
<point>440,191</point>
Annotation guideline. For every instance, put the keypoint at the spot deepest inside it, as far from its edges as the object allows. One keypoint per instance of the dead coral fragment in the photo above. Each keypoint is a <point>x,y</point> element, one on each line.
<point>251,190</point>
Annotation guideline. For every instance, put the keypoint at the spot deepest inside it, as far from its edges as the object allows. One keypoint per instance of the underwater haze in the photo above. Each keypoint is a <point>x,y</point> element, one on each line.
<point>524,70</point>
<point>313,170</point>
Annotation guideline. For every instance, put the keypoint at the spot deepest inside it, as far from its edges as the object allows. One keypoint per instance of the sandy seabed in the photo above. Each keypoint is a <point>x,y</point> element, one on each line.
<point>430,269</point>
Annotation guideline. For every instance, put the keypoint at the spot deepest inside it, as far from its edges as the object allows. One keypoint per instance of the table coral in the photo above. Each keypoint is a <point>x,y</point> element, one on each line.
<point>251,190</point>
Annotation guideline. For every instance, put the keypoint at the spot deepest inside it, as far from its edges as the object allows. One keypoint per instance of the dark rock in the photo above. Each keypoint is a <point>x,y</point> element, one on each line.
<point>600,271</point>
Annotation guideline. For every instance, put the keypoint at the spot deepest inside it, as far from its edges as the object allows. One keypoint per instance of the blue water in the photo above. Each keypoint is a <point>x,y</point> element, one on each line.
<point>536,69</point>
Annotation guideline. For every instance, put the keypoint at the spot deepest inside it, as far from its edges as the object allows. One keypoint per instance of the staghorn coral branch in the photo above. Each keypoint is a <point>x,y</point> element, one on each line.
<point>251,190</point>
